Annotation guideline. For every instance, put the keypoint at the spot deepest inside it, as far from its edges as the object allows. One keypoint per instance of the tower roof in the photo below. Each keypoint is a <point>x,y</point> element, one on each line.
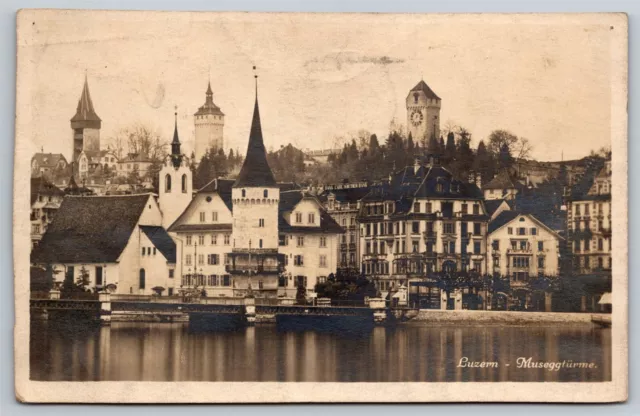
<point>85,113</point>
<point>255,169</point>
<point>422,86</point>
<point>209,106</point>
<point>176,155</point>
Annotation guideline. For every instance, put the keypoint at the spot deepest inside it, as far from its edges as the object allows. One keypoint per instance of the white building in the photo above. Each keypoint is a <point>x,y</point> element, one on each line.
<point>502,186</point>
<point>45,164</point>
<point>116,242</point>
<point>523,248</point>
<point>45,202</point>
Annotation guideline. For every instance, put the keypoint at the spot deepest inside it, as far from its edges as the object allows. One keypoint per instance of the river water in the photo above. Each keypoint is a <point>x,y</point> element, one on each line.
<point>411,352</point>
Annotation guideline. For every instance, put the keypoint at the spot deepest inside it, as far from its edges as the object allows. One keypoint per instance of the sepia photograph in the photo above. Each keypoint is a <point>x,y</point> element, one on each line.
<point>323,207</point>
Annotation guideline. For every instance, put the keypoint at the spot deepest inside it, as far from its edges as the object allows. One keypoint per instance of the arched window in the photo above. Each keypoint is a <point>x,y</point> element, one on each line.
<point>244,193</point>
<point>265,193</point>
<point>167,181</point>
<point>142,279</point>
<point>184,183</point>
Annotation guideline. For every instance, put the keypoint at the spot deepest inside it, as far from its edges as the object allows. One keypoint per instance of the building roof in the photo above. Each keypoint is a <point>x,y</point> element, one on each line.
<point>502,219</point>
<point>209,107</point>
<point>161,241</point>
<point>74,189</point>
<point>255,170</point>
<point>199,227</point>
<point>222,187</point>
<point>503,180</point>
<point>48,160</point>
<point>93,229</point>
<point>422,86</point>
<point>348,195</point>
<point>289,200</point>
<point>85,113</point>
<point>41,186</point>
<point>492,205</point>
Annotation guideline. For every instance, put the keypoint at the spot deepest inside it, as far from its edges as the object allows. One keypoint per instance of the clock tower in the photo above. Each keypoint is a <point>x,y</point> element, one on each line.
<point>423,113</point>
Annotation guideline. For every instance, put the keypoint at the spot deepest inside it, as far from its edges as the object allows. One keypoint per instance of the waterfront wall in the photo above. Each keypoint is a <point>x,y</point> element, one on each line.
<point>502,317</point>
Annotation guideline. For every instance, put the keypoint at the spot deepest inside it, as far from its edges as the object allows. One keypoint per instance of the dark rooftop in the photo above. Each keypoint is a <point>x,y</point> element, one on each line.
<point>161,241</point>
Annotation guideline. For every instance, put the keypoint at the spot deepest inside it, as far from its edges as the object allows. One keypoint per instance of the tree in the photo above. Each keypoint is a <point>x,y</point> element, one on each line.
<point>505,160</point>
<point>82,281</point>
<point>483,163</point>
<point>499,138</point>
<point>450,148</point>
<point>301,295</point>
<point>140,140</point>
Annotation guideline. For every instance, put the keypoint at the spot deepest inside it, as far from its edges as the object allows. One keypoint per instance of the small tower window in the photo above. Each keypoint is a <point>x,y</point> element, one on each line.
<point>184,183</point>
<point>260,243</point>
<point>167,180</point>
<point>244,193</point>
<point>265,193</point>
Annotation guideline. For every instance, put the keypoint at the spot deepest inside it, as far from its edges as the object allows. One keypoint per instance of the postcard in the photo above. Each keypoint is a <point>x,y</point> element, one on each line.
<point>310,207</point>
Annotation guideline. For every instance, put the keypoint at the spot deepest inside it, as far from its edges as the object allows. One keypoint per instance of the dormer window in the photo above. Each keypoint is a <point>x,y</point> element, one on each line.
<point>439,188</point>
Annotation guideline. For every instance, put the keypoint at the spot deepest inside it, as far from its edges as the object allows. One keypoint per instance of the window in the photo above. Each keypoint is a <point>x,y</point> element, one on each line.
<point>415,227</point>
<point>600,244</point>
<point>540,245</point>
<point>428,207</point>
<point>414,246</point>
<point>260,243</point>
<point>227,238</point>
<point>213,259</point>
<point>187,260</point>
<point>463,208</point>
<point>214,239</point>
<point>171,273</point>
<point>323,260</point>
<point>509,230</point>
<point>476,209</point>
<point>265,194</point>
<point>282,239</point>
<point>200,259</point>
<point>188,240</point>
<point>522,231</point>
<point>540,262</point>
<point>300,241</point>
<point>521,262</point>
<point>202,217</point>
<point>416,207</point>
<point>167,183</point>
<point>448,228</point>
<point>298,260</point>
<point>534,231</point>
<point>576,246</point>
<point>577,209</point>
<point>477,265</point>
<point>226,280</point>
<point>476,247</point>
<point>99,275</point>
<point>201,239</point>
<point>214,216</point>
<point>244,193</point>
<point>154,251</point>
<point>298,217</point>
<point>300,281</point>
<point>142,281</point>
<point>323,241</point>
<point>587,245</point>
<point>495,244</point>
<point>496,262</point>
<point>476,228</point>
<point>184,184</point>
<point>261,223</point>
<point>144,249</point>
<point>312,218</point>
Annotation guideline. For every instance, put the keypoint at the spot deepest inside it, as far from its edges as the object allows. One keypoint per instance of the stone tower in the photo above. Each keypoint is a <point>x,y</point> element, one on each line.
<point>209,123</point>
<point>175,185</point>
<point>85,125</point>
<point>423,113</point>
<point>254,261</point>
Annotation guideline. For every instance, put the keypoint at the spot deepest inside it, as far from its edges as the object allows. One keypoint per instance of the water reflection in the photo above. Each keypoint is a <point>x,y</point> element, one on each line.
<point>178,352</point>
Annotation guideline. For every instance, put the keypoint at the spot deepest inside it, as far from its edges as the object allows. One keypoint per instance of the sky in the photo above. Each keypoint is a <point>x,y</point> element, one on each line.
<point>321,76</point>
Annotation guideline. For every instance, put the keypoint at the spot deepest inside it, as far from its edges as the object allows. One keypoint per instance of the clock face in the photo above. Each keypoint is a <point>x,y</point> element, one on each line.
<point>416,117</point>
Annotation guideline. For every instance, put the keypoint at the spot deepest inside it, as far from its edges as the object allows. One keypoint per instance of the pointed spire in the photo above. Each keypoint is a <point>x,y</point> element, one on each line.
<point>85,116</point>
<point>176,156</point>
<point>255,169</point>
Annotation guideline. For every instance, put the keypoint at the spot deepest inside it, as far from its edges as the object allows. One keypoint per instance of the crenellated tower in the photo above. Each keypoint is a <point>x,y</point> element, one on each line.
<point>209,125</point>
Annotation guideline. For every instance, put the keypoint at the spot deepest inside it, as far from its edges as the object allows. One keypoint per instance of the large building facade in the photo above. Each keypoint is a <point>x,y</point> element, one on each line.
<point>209,125</point>
<point>421,221</point>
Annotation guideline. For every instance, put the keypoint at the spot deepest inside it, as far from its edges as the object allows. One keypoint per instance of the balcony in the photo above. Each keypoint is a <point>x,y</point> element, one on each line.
<point>519,251</point>
<point>252,269</point>
<point>430,235</point>
<point>252,263</point>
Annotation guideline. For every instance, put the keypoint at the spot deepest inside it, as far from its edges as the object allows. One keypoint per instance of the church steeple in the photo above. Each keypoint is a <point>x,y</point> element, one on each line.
<point>85,116</point>
<point>255,169</point>
<point>176,156</point>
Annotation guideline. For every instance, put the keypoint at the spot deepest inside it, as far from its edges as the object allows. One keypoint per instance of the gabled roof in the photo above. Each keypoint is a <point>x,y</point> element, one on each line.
<point>41,186</point>
<point>288,202</point>
<point>493,204</point>
<point>48,160</point>
<point>221,187</point>
<point>422,86</point>
<point>85,114</point>
<point>161,241</point>
<point>255,170</point>
<point>503,180</point>
<point>502,219</point>
<point>91,229</point>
